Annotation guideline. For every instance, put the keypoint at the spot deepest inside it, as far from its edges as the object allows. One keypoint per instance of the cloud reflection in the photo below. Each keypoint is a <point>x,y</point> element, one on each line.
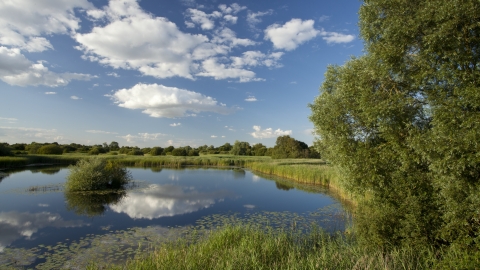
<point>167,201</point>
<point>15,225</point>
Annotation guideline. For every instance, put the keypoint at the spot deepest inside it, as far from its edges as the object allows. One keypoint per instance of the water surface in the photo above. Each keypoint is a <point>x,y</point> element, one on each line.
<point>38,217</point>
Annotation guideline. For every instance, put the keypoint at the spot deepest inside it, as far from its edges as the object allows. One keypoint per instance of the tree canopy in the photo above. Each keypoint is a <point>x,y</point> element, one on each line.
<point>402,122</point>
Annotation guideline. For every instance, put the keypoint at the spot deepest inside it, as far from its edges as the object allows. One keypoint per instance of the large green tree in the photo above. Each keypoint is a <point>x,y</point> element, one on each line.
<point>402,122</point>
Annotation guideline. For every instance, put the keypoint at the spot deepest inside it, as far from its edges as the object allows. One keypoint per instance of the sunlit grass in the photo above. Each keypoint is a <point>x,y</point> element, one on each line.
<point>252,247</point>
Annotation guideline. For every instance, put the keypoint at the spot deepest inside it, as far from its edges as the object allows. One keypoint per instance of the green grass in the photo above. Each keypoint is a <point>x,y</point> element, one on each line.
<point>250,247</point>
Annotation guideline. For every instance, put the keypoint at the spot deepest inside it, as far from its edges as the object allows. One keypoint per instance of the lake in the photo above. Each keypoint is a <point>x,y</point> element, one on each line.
<point>42,226</point>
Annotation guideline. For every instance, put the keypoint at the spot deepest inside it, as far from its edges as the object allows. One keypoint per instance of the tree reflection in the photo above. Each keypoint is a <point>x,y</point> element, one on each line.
<point>282,186</point>
<point>93,203</point>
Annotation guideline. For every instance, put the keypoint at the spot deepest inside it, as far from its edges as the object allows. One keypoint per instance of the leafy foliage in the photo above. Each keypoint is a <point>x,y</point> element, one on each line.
<point>5,150</point>
<point>401,122</point>
<point>96,174</point>
<point>50,149</point>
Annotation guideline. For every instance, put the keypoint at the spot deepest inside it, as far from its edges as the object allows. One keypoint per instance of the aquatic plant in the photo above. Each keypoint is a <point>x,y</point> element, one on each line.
<point>96,174</point>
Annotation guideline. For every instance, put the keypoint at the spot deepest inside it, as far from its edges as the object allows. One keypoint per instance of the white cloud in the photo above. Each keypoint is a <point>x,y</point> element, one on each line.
<point>254,18</point>
<point>290,35</point>
<point>227,36</point>
<point>219,71</point>
<point>156,47</point>
<point>113,74</point>
<point>233,8</point>
<point>268,133</point>
<point>213,136</point>
<point>223,136</point>
<point>251,98</point>
<point>230,18</point>
<point>333,37</point>
<point>206,21</point>
<point>22,22</point>
<point>75,97</point>
<point>50,93</point>
<point>158,100</point>
<point>100,132</point>
<point>143,137</point>
<point>175,124</point>
<point>15,69</point>
<point>323,18</point>
<point>256,58</point>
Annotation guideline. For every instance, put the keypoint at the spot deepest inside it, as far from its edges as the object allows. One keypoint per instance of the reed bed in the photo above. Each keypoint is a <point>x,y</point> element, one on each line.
<point>31,160</point>
<point>252,247</point>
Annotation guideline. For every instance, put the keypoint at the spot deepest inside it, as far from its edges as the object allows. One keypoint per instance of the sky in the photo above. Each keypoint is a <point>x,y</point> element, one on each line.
<point>162,72</point>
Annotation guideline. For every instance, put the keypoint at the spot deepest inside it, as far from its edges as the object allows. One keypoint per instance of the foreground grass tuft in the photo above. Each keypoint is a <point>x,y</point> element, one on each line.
<point>249,247</point>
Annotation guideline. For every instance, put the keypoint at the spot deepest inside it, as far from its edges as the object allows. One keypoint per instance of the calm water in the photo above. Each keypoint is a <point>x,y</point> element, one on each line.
<point>35,211</point>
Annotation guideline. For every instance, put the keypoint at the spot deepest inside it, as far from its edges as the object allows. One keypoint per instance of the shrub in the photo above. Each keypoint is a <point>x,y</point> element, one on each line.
<point>50,149</point>
<point>156,151</point>
<point>135,152</point>
<point>94,152</point>
<point>96,174</point>
<point>5,150</point>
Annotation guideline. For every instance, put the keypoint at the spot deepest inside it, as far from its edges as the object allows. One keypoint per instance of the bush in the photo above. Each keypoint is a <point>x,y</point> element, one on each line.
<point>94,152</point>
<point>50,149</point>
<point>156,151</point>
<point>135,152</point>
<point>96,174</point>
<point>5,150</point>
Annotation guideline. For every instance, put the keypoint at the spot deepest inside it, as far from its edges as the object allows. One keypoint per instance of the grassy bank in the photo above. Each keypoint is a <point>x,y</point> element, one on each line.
<point>250,247</point>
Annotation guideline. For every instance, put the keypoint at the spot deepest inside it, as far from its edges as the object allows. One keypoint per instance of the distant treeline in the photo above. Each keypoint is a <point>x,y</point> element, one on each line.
<point>285,147</point>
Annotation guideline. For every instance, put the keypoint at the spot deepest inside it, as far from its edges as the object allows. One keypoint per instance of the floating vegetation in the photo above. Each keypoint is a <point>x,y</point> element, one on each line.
<point>60,187</point>
<point>116,247</point>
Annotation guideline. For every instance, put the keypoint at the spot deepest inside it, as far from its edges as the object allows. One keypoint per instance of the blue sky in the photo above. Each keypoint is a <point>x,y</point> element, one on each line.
<point>163,72</point>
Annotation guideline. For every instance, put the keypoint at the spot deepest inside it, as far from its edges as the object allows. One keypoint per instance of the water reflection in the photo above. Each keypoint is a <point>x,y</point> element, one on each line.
<point>166,201</point>
<point>92,203</point>
<point>15,225</point>
<point>156,169</point>
<point>283,186</point>
<point>238,173</point>
<point>2,176</point>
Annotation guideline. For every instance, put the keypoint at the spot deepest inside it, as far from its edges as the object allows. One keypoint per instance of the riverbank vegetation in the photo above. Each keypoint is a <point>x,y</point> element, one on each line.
<point>401,123</point>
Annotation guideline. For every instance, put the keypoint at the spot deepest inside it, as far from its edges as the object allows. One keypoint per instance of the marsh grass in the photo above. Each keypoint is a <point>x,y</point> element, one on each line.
<point>252,247</point>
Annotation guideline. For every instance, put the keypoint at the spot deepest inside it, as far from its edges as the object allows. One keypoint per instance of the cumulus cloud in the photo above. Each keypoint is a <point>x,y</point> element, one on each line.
<point>156,47</point>
<point>213,136</point>
<point>158,100</point>
<point>268,133</point>
<point>230,18</point>
<point>100,132</point>
<point>50,93</point>
<point>233,8</point>
<point>256,58</point>
<point>251,99</point>
<point>198,17</point>
<point>75,98</point>
<point>23,22</point>
<point>220,71</point>
<point>292,34</point>
<point>15,69</point>
<point>142,137</point>
<point>175,124</point>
